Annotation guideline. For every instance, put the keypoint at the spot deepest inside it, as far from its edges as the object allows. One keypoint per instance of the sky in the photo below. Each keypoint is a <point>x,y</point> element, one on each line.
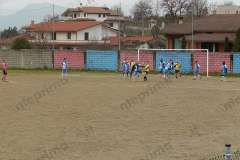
<point>11,6</point>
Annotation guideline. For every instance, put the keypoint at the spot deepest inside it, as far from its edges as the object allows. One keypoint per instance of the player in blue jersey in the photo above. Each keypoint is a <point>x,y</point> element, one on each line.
<point>167,69</point>
<point>196,70</point>
<point>125,68</point>
<point>162,67</point>
<point>224,70</point>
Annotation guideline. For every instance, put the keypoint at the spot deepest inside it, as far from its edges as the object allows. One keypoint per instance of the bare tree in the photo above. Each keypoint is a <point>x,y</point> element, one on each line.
<point>142,10</point>
<point>200,7</point>
<point>174,8</point>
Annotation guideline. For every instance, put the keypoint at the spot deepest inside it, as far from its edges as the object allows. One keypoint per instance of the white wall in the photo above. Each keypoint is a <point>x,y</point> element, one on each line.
<point>116,25</point>
<point>88,16</point>
<point>96,33</point>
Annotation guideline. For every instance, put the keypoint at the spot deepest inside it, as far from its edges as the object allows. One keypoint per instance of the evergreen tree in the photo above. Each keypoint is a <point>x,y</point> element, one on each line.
<point>21,43</point>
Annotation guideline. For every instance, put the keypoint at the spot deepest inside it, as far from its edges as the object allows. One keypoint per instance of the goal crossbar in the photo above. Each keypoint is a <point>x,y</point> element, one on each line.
<point>204,50</point>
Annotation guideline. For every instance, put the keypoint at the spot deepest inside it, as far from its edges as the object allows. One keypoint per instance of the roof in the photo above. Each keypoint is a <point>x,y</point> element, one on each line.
<point>215,37</point>
<point>212,23</point>
<point>131,39</point>
<point>66,26</point>
<point>92,10</point>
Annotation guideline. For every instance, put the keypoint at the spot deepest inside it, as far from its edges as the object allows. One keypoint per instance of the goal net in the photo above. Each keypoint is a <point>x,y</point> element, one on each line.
<point>186,57</point>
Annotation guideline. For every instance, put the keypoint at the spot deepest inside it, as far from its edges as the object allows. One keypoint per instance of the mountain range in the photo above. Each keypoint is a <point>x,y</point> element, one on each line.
<point>23,17</point>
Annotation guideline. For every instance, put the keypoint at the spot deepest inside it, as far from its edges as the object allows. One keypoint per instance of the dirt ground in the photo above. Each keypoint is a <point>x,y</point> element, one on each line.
<point>82,118</point>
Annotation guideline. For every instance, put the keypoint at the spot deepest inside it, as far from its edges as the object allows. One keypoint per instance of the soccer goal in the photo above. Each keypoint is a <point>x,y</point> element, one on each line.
<point>186,57</point>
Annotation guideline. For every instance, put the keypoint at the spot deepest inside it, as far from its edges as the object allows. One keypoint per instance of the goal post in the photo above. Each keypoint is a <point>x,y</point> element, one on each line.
<point>176,50</point>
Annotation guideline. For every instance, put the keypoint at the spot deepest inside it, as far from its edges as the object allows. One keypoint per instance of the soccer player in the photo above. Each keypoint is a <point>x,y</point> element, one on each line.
<point>167,70</point>
<point>162,67</point>
<point>224,70</point>
<point>132,63</point>
<point>136,70</point>
<point>64,68</point>
<point>171,66</point>
<point>146,69</point>
<point>196,70</point>
<point>125,68</point>
<point>177,67</point>
<point>4,70</point>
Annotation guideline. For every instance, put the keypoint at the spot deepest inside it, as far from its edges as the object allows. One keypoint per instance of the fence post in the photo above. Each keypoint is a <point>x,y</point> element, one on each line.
<point>119,60</point>
<point>154,61</point>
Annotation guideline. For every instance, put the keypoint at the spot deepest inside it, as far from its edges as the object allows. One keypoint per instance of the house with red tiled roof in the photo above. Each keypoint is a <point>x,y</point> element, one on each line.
<point>102,14</point>
<point>209,32</point>
<point>70,34</point>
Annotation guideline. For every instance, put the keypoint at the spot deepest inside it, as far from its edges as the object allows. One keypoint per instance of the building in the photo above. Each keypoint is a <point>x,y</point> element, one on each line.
<point>101,14</point>
<point>210,32</point>
<point>70,34</point>
<point>227,9</point>
<point>132,41</point>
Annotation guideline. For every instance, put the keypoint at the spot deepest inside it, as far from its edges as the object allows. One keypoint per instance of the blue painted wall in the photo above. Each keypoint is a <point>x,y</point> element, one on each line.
<point>236,62</point>
<point>183,58</point>
<point>102,60</point>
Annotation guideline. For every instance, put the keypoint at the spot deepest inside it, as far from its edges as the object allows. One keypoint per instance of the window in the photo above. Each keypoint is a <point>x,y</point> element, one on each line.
<point>75,15</point>
<point>86,36</point>
<point>111,24</point>
<point>69,35</point>
<point>54,36</point>
<point>212,47</point>
<point>85,14</point>
<point>177,43</point>
<point>99,15</point>
<point>104,15</point>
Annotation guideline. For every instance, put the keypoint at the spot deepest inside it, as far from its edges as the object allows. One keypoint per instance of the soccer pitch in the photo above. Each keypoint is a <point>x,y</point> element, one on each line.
<point>102,116</point>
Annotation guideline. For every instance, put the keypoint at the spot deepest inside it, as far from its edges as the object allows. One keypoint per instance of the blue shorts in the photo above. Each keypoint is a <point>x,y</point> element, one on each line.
<point>196,73</point>
<point>64,71</point>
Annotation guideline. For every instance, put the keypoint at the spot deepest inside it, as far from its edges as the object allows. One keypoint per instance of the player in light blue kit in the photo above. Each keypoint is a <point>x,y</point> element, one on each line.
<point>196,71</point>
<point>224,70</point>
<point>125,68</point>
<point>162,67</point>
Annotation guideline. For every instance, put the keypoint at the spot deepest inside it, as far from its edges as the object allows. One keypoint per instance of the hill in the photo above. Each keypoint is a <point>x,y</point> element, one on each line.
<point>23,17</point>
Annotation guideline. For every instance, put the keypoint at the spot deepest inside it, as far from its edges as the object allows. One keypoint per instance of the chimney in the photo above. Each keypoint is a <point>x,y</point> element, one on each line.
<point>32,22</point>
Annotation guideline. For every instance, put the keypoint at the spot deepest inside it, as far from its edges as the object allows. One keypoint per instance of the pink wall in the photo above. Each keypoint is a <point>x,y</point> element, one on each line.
<point>75,59</point>
<point>215,61</point>
<point>145,57</point>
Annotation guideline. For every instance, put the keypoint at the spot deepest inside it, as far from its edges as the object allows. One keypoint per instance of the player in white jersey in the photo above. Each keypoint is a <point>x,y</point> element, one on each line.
<point>64,68</point>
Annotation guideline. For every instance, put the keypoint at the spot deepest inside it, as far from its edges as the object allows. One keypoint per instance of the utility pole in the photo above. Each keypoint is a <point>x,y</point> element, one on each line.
<point>119,29</point>
<point>53,33</point>
<point>193,4</point>
<point>142,25</point>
